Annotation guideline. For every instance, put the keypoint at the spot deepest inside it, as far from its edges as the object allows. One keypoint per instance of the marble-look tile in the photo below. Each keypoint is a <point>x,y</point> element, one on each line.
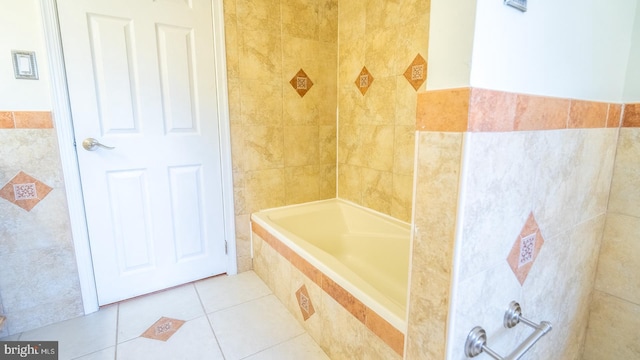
<point>380,102</point>
<point>328,182</point>
<point>259,15</point>
<point>541,113</point>
<point>261,102</point>
<point>618,322</point>
<point>80,336</point>
<point>587,114</point>
<point>302,145</point>
<point>437,177</point>
<point>406,103</point>
<point>34,151</point>
<point>328,21</point>
<point>300,347</point>
<point>243,236</point>
<point>619,255</point>
<point>346,330</point>
<point>137,314</point>
<point>300,18</point>
<point>479,303</point>
<point>377,190</point>
<point>302,184</point>
<point>491,110</point>
<point>51,274</point>
<point>625,197</point>
<point>260,54</point>
<point>350,183</point>
<point>194,340</point>
<point>264,148</point>
<point>33,119</point>
<point>614,117</point>
<point>498,197</point>
<point>6,120</point>
<point>631,116</point>
<point>104,354</point>
<point>402,198</point>
<point>403,150</point>
<point>443,110</point>
<point>270,322</point>
<point>222,292</point>
<point>264,189</point>
<point>327,139</point>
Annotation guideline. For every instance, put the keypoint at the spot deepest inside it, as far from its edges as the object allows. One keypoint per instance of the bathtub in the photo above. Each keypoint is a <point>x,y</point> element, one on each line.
<point>364,252</point>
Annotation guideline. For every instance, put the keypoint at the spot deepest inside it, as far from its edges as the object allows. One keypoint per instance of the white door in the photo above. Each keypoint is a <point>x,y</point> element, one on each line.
<point>142,80</point>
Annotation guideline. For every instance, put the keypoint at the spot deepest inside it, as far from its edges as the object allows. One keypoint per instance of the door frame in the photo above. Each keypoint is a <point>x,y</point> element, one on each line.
<point>61,111</point>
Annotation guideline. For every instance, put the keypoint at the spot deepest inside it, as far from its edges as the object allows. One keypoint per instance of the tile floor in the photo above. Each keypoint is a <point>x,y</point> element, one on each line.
<point>225,317</point>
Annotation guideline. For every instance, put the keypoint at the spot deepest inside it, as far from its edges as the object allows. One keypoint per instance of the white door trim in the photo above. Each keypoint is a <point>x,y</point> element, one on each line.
<point>61,112</point>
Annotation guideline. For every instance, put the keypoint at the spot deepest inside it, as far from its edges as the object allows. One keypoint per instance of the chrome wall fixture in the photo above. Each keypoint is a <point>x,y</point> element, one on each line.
<point>477,338</point>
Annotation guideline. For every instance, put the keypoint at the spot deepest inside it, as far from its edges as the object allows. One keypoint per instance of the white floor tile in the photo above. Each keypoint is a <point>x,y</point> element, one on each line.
<point>254,326</point>
<point>137,315</point>
<point>80,336</point>
<point>222,292</point>
<point>301,347</point>
<point>193,341</point>
<point>105,354</point>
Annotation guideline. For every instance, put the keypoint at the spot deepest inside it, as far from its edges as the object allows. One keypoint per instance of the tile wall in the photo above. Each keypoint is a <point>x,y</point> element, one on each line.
<point>38,278</point>
<point>377,127</point>
<point>343,326</point>
<point>522,155</point>
<point>615,310</point>
<point>283,139</point>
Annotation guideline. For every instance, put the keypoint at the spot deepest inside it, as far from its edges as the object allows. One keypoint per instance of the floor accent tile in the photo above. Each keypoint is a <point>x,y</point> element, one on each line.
<point>163,329</point>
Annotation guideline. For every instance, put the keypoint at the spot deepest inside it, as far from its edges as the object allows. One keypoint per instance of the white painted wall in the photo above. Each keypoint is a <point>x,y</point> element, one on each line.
<point>632,85</point>
<point>21,29</point>
<point>573,48</point>
<point>450,43</point>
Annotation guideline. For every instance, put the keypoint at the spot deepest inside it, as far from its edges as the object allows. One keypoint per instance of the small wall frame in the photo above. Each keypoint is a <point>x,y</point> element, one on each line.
<point>24,64</point>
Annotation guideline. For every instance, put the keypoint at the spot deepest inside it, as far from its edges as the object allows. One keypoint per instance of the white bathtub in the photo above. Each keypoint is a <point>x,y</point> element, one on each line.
<point>365,252</point>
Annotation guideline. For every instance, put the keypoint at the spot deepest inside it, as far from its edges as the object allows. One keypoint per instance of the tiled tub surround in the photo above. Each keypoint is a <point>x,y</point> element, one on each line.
<point>498,158</point>
<point>38,279</point>
<point>366,299</point>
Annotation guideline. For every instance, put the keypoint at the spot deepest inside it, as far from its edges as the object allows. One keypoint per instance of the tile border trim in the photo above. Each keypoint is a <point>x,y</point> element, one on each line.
<point>482,110</point>
<point>379,326</point>
<point>26,120</point>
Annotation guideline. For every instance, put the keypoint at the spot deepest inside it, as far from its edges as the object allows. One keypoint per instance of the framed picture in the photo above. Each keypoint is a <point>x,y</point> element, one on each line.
<point>24,64</point>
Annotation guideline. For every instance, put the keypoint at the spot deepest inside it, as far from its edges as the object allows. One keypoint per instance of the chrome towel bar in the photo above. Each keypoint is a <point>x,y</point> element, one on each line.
<point>477,339</point>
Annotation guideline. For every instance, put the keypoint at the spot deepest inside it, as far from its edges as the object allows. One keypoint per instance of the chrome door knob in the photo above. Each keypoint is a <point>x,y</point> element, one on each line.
<point>90,144</point>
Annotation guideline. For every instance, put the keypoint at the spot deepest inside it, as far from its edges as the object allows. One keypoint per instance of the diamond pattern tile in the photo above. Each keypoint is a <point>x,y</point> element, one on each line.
<point>364,80</point>
<point>25,191</point>
<point>416,73</point>
<point>525,249</point>
<point>163,329</point>
<point>301,83</point>
<point>304,301</point>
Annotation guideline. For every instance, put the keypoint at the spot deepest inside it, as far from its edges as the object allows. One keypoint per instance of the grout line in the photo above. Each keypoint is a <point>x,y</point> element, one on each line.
<point>206,315</point>
<point>115,351</point>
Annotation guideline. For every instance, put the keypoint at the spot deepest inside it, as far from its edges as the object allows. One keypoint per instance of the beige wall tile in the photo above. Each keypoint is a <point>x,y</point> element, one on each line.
<point>437,177</point>
<point>377,191</point>
<point>619,267</point>
<point>613,328</point>
<point>302,145</point>
<point>263,147</point>
<point>302,184</point>
<point>625,197</point>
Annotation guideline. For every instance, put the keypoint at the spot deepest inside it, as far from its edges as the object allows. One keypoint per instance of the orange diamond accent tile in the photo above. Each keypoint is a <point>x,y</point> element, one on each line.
<point>304,301</point>
<point>416,73</point>
<point>25,191</point>
<point>525,249</point>
<point>364,80</point>
<point>163,329</point>
<point>301,83</point>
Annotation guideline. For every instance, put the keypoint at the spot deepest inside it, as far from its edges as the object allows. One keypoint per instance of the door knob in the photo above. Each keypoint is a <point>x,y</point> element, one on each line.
<point>91,144</point>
